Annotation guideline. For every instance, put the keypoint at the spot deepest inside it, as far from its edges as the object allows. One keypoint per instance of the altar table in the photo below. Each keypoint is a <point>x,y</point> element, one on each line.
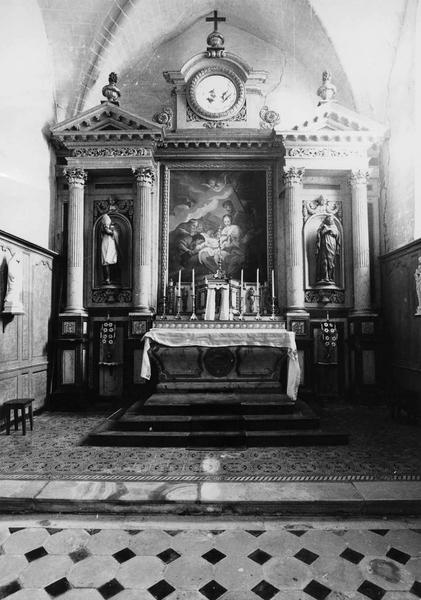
<point>225,335</point>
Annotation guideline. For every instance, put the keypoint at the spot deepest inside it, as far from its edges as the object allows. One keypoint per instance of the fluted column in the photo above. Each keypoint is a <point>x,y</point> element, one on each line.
<point>142,240</point>
<point>293,178</point>
<point>360,241</point>
<point>74,300</point>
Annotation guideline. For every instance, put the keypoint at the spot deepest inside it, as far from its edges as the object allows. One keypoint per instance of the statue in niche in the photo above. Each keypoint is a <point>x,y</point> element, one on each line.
<point>328,247</point>
<point>250,300</point>
<point>417,276</point>
<point>13,299</point>
<point>109,249</point>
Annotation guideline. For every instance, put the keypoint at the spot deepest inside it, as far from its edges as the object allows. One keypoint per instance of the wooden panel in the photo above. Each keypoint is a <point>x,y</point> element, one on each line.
<point>41,302</point>
<point>9,341</point>
<point>8,387</point>
<point>68,365</point>
<point>39,387</point>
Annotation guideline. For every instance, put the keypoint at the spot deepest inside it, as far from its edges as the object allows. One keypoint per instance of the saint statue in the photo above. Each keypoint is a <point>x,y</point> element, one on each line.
<point>250,300</point>
<point>328,245</point>
<point>417,276</point>
<point>109,246</point>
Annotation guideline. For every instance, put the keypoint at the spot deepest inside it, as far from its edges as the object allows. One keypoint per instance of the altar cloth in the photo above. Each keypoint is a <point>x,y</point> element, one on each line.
<point>218,337</point>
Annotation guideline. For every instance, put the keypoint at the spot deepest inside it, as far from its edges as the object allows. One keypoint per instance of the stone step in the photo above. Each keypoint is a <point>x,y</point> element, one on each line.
<point>216,438</point>
<point>218,422</point>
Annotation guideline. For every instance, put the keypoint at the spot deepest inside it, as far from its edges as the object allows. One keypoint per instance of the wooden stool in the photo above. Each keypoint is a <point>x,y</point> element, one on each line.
<point>16,405</point>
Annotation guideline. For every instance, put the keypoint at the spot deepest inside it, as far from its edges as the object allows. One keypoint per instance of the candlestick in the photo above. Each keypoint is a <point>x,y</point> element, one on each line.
<point>179,282</point>
<point>273,284</point>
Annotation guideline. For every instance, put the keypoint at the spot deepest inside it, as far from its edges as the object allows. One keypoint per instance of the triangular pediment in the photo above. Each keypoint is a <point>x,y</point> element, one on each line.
<point>107,118</point>
<point>334,119</point>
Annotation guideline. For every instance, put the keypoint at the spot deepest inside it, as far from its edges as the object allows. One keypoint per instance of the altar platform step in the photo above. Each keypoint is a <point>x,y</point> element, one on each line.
<point>158,423</point>
<point>216,439</point>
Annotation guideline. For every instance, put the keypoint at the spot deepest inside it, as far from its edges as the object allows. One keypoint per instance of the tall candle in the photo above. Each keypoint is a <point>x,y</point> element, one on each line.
<point>179,282</point>
<point>273,285</point>
<point>242,281</point>
<point>257,280</point>
<point>192,280</point>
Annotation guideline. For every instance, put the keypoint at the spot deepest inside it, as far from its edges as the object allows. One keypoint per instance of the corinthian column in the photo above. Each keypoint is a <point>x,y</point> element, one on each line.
<point>74,300</point>
<point>293,178</point>
<point>360,241</point>
<point>142,240</point>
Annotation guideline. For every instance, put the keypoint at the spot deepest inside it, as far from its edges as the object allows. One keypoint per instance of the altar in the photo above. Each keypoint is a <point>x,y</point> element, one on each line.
<point>223,356</point>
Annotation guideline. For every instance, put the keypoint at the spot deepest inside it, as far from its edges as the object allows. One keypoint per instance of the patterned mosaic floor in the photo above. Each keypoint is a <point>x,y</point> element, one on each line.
<point>379,449</point>
<point>242,562</point>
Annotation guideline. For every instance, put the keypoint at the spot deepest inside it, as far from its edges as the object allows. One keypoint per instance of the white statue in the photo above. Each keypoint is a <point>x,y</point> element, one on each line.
<point>13,300</point>
<point>109,246</point>
<point>417,276</point>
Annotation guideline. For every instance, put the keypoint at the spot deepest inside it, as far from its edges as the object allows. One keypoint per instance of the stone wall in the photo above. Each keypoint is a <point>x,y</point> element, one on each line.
<point>25,353</point>
<point>402,327</point>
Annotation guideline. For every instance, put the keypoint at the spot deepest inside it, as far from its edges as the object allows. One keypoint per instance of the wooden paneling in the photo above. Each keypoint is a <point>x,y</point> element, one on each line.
<point>402,327</point>
<point>24,345</point>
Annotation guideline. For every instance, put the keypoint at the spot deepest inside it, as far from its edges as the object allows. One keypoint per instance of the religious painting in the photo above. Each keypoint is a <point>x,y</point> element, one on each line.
<point>217,220</point>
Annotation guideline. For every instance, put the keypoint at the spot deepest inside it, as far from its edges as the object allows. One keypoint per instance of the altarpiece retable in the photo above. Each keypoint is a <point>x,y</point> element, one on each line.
<point>208,213</point>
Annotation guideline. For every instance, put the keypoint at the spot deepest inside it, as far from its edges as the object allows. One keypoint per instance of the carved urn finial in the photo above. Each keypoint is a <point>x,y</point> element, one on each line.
<point>111,91</point>
<point>327,91</point>
<point>215,39</point>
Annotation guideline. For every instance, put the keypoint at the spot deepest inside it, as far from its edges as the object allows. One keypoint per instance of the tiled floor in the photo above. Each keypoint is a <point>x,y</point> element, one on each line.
<point>375,452</point>
<point>74,559</point>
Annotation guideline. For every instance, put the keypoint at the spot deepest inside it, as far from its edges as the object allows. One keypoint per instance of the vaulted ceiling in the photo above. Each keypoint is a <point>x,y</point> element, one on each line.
<point>294,40</point>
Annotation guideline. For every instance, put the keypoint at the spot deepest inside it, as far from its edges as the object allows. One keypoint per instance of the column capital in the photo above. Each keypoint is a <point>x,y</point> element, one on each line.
<point>358,176</point>
<point>75,177</point>
<point>144,176</point>
<point>293,175</point>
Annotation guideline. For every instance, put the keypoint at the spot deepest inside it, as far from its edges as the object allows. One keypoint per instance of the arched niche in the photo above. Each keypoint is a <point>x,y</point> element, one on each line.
<point>119,273</point>
<point>310,230</point>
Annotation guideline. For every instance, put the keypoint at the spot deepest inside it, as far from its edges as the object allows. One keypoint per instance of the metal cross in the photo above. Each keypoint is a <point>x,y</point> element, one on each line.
<point>215,19</point>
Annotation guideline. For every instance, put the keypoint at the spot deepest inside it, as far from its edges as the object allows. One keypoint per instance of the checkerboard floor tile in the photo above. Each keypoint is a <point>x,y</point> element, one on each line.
<point>67,561</point>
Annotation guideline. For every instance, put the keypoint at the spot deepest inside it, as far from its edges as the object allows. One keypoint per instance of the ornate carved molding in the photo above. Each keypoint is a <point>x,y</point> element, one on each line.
<point>75,177</point>
<point>113,205</point>
<point>270,118</point>
<point>165,117</point>
<point>358,177</point>
<point>110,151</point>
<point>322,152</point>
<point>293,175</point>
<point>144,176</point>
<point>325,296</point>
<point>323,206</point>
<point>111,295</point>
<point>214,124</point>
